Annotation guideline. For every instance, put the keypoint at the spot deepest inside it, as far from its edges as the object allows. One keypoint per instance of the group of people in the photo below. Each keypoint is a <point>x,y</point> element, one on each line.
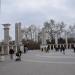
<point>57,48</point>
<point>18,53</point>
<point>61,49</point>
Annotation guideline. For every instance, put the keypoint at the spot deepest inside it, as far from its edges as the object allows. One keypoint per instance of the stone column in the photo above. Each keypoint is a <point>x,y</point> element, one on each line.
<point>2,57</point>
<point>66,39</point>
<point>22,48</point>
<point>2,52</point>
<point>18,37</point>
<point>70,46</point>
<point>6,37</point>
<point>56,39</point>
<point>43,37</point>
<point>53,47</point>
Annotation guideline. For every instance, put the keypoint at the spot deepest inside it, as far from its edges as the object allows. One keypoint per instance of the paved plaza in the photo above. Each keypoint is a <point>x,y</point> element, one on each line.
<point>40,63</point>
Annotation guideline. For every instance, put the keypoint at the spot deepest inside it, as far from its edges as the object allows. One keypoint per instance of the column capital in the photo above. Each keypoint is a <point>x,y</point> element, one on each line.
<point>6,25</point>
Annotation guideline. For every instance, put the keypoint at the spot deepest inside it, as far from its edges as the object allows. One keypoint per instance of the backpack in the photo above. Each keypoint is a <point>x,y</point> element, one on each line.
<point>17,54</point>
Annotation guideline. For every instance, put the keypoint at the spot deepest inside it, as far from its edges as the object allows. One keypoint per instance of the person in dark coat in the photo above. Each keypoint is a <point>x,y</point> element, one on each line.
<point>56,48</point>
<point>24,49</point>
<point>18,54</point>
<point>42,49</point>
<point>11,52</point>
<point>63,49</point>
<point>48,47</point>
<point>74,49</point>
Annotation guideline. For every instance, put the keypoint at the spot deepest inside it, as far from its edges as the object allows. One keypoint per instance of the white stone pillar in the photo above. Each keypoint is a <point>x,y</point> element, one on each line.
<point>8,48</point>
<point>6,36</point>
<point>50,46</point>
<point>70,46</point>
<point>66,39</point>
<point>18,35</point>
<point>22,48</point>
<point>53,47</point>
<point>15,48</point>
<point>2,57</point>
<point>56,39</point>
<point>60,45</point>
<point>6,33</point>
<point>43,38</point>
<point>2,52</point>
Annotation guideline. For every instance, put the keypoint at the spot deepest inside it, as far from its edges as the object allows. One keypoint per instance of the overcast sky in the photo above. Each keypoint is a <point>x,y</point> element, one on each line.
<point>35,12</point>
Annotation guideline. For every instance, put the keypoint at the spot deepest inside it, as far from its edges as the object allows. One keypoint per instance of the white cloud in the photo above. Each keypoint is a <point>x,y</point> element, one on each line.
<point>37,11</point>
<point>16,9</point>
<point>24,5</point>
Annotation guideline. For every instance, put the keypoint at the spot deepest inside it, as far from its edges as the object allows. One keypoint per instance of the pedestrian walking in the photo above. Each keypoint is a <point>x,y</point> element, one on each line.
<point>18,55</point>
<point>74,49</point>
<point>42,49</point>
<point>48,47</point>
<point>25,49</point>
<point>63,49</point>
<point>56,48</point>
<point>11,52</point>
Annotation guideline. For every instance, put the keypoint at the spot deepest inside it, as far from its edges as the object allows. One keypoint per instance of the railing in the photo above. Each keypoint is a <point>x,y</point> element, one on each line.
<point>52,46</point>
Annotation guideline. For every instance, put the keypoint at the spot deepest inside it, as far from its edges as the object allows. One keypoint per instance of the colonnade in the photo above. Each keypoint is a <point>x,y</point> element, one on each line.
<point>52,46</point>
<point>4,48</point>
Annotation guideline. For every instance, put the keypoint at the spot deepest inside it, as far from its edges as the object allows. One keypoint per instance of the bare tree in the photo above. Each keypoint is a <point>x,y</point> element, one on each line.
<point>54,28</point>
<point>50,26</point>
<point>32,31</point>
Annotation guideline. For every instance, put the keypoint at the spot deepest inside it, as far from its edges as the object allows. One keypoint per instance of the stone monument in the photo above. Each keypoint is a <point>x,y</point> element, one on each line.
<point>18,36</point>
<point>6,38</point>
